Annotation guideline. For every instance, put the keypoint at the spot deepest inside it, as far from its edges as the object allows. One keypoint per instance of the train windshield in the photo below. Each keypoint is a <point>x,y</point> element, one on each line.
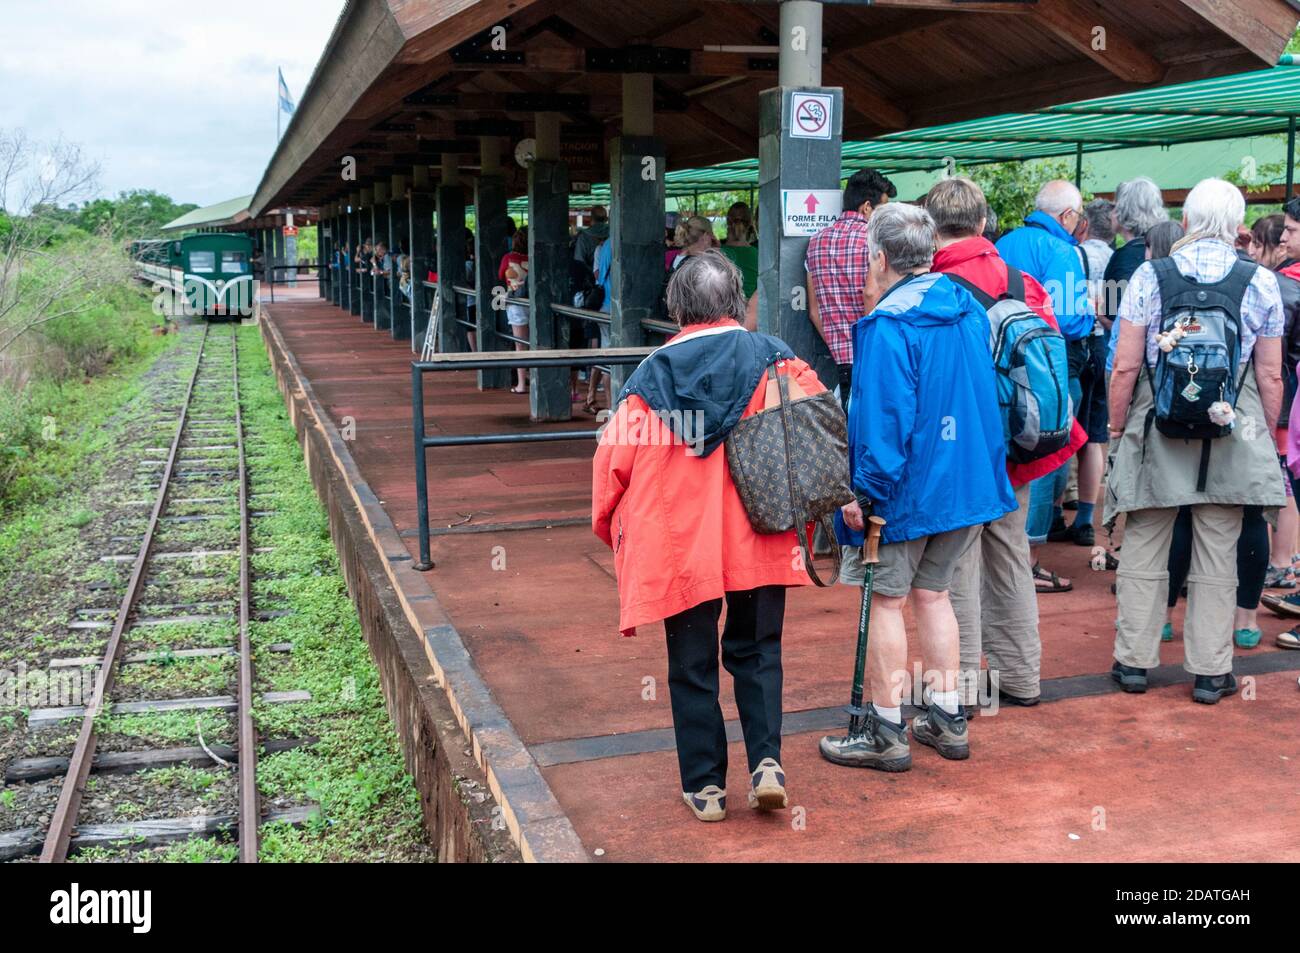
<point>233,263</point>
<point>203,262</point>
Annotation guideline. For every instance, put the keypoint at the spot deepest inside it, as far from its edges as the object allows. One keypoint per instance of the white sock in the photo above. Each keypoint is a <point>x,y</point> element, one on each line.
<point>892,715</point>
<point>948,701</point>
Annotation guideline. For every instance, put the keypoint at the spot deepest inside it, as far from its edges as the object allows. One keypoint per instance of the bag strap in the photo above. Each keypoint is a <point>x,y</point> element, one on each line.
<point>976,292</point>
<point>1015,284</point>
<point>796,502</point>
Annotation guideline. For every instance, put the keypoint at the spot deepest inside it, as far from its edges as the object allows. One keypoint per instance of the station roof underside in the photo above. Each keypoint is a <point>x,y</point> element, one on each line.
<point>402,84</point>
<point>1248,104</point>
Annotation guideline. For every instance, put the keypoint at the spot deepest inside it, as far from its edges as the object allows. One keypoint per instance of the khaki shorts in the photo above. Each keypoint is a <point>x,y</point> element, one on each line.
<point>925,563</point>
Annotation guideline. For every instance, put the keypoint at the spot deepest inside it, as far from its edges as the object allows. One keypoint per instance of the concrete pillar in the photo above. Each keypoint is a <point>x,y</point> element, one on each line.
<point>322,253</point>
<point>354,238</point>
<point>800,62</point>
<point>636,222</point>
<point>489,249</point>
<point>277,243</point>
<point>548,268</point>
<point>791,164</point>
<point>451,255</point>
<point>340,243</point>
<point>366,220</point>
<point>421,226</point>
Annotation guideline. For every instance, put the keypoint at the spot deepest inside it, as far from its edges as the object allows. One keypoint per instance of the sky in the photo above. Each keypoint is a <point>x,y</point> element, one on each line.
<point>176,96</point>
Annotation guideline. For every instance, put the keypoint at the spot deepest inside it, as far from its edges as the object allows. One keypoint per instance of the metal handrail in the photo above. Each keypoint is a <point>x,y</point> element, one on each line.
<point>424,442</point>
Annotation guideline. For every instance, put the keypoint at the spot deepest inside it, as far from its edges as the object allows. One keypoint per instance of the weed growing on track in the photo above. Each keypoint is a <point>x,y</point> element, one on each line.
<point>369,806</point>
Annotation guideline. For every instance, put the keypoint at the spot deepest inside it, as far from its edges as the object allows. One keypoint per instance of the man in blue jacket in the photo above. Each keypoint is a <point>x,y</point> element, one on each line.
<point>927,453</point>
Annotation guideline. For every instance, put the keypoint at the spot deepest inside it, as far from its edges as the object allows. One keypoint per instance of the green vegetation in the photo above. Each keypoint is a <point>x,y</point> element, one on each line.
<point>369,809</point>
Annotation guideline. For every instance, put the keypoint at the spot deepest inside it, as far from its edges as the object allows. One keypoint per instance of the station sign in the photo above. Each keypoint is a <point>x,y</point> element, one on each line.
<point>811,115</point>
<point>290,231</point>
<point>805,212</point>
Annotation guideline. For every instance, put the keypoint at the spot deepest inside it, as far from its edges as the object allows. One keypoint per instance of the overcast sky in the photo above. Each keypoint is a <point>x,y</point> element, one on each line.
<point>174,96</point>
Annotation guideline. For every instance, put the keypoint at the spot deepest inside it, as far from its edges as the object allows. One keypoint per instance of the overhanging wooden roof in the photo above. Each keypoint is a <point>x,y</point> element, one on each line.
<point>403,81</point>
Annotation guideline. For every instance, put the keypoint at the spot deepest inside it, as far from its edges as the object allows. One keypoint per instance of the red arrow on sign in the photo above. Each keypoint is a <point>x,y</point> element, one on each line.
<point>810,203</point>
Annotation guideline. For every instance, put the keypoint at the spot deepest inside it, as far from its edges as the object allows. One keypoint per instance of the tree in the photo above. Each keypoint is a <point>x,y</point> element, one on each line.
<point>49,267</point>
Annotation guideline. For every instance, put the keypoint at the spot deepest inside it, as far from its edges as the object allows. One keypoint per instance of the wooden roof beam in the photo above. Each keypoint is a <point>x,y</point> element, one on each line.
<point>1079,25</point>
<point>1261,26</point>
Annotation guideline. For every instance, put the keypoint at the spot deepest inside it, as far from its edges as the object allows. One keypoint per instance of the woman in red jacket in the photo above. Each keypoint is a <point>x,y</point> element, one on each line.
<point>663,499</point>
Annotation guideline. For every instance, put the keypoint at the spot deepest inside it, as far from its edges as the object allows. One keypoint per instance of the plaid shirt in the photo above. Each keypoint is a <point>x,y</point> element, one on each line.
<point>838,262</point>
<point>1207,260</point>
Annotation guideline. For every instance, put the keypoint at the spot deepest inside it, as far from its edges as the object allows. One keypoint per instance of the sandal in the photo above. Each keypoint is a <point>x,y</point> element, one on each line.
<point>519,390</point>
<point>589,405</point>
<point>1053,581</point>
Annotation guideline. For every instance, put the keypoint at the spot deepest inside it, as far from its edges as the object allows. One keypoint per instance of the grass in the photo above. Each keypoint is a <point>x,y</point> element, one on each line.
<point>369,808</point>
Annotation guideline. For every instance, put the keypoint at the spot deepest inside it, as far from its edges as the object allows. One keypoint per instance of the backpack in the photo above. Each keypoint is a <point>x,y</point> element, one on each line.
<point>1201,368</point>
<point>1033,379</point>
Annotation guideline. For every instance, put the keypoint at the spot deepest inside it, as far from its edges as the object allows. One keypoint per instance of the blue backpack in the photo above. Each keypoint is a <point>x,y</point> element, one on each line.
<point>1201,369</point>
<point>1033,377</point>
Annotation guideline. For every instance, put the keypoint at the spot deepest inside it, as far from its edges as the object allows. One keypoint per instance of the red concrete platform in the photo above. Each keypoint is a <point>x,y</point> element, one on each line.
<point>1150,777</point>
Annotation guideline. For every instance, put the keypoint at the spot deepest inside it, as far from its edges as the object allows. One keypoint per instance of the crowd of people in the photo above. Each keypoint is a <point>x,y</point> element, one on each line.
<point>1146,360</point>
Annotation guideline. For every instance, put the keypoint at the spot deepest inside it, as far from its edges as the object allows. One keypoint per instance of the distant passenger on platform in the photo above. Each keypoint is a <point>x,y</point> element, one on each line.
<point>514,272</point>
<point>694,236</point>
<point>993,589</point>
<point>740,247</point>
<point>837,264</point>
<point>664,501</point>
<point>927,454</point>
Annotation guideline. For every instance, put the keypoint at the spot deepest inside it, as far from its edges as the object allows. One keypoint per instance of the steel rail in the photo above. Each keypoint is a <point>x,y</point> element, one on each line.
<point>250,814</point>
<point>64,819</point>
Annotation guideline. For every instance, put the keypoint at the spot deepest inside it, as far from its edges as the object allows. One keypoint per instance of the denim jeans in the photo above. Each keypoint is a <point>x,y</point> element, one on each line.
<point>1043,494</point>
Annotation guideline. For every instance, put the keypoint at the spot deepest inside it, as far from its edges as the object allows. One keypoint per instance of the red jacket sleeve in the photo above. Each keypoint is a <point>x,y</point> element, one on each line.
<point>611,470</point>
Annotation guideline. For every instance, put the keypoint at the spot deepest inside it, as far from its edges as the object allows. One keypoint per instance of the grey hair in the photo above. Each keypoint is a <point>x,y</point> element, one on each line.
<point>705,287</point>
<point>1139,205</point>
<point>1057,196</point>
<point>1098,214</point>
<point>1215,207</point>
<point>905,233</point>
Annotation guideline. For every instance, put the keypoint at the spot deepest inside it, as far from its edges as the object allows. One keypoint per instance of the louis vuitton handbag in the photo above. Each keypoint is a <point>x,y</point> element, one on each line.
<point>790,464</point>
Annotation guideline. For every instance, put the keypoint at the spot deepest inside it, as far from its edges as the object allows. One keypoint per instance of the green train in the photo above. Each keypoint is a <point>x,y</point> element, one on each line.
<point>208,274</point>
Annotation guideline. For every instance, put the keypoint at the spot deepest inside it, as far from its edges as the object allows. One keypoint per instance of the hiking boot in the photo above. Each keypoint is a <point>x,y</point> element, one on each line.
<point>1289,639</point>
<point>1247,638</point>
<point>708,804</point>
<point>881,745</point>
<point>1210,688</point>
<point>1060,531</point>
<point>1286,606</point>
<point>943,732</point>
<point>767,786</point>
<point>1130,679</point>
<point>1021,701</point>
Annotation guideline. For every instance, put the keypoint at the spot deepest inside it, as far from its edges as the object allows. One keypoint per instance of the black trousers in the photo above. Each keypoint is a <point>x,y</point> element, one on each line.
<point>751,652</point>
<point>1252,556</point>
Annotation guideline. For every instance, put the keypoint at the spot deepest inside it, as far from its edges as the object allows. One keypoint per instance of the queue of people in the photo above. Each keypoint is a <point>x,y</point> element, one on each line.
<point>1151,360</point>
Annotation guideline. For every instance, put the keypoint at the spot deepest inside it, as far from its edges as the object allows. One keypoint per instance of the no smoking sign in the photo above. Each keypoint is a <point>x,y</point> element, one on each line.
<point>811,115</point>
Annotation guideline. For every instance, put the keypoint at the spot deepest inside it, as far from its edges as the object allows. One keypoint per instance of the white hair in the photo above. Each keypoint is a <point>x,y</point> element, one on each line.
<point>1057,196</point>
<point>1215,207</point>
<point>1139,205</point>
<point>905,233</point>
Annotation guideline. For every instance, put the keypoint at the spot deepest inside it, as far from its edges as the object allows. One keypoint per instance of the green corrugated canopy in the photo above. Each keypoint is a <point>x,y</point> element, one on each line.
<point>1247,104</point>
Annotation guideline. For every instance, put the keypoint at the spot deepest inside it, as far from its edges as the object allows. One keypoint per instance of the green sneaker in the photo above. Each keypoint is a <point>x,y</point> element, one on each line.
<point>1167,633</point>
<point>1247,638</point>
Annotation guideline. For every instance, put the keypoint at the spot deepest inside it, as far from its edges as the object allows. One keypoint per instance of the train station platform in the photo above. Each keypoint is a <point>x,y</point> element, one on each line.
<point>571,723</point>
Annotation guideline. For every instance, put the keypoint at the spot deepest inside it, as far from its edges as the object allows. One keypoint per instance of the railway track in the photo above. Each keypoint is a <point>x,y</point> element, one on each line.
<point>190,480</point>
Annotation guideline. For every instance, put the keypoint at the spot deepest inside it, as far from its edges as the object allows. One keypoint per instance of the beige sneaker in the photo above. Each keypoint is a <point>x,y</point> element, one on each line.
<point>767,786</point>
<point>710,804</point>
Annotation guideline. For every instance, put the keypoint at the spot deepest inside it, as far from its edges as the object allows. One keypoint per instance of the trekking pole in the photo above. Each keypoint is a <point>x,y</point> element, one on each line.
<point>870,556</point>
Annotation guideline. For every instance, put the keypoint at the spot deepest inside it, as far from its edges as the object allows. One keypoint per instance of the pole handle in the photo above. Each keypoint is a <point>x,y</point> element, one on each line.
<point>871,545</point>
